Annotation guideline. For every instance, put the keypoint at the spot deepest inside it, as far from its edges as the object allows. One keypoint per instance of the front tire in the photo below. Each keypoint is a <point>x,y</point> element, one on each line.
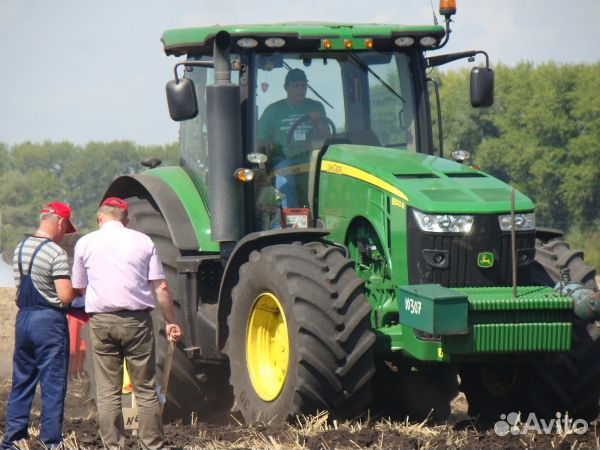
<point>495,389</point>
<point>300,338</point>
<point>570,383</point>
<point>554,255</point>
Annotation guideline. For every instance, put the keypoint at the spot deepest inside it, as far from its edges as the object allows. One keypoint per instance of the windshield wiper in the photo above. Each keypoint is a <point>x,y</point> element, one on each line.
<point>359,62</point>
<point>287,66</point>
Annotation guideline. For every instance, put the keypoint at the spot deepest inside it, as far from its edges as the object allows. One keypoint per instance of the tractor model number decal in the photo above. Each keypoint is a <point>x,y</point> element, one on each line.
<point>358,174</point>
<point>412,306</point>
<point>398,203</point>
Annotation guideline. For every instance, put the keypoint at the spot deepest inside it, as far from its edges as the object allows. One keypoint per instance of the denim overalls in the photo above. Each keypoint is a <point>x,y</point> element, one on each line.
<point>41,354</point>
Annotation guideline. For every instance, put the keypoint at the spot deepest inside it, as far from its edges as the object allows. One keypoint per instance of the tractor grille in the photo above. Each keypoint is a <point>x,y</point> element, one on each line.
<point>536,320</point>
<point>512,338</point>
<point>451,259</point>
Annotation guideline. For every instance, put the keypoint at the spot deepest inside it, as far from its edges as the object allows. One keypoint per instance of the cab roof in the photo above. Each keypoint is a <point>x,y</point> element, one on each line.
<point>298,36</point>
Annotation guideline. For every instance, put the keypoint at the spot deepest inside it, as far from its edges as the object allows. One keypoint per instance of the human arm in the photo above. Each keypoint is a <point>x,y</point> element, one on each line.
<point>65,291</point>
<point>79,272</point>
<point>165,303</point>
<point>62,279</point>
<point>269,141</point>
<point>319,120</point>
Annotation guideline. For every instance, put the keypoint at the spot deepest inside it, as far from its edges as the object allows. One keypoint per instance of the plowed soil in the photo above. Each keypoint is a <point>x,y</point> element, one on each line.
<point>309,433</point>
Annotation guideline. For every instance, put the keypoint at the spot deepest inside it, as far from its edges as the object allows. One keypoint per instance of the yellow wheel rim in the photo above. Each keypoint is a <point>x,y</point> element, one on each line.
<point>267,347</point>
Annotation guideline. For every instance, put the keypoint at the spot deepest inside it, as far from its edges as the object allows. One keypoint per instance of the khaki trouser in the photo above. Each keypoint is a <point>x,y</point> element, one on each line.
<point>129,335</point>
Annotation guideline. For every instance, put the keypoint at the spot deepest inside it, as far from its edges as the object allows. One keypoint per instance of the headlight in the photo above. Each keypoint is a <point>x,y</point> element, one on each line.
<point>444,223</point>
<point>523,222</point>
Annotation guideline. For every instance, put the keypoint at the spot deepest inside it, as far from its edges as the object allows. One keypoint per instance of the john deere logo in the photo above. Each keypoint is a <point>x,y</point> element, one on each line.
<point>485,260</point>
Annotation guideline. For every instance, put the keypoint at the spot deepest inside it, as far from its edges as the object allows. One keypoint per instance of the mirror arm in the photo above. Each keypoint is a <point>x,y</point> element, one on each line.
<point>191,63</point>
<point>438,60</point>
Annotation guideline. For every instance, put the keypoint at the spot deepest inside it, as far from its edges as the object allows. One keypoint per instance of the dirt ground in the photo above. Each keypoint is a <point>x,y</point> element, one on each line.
<point>315,432</point>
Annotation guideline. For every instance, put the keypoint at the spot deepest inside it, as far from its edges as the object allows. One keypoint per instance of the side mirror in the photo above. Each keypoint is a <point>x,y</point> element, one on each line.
<point>181,98</point>
<point>482,87</point>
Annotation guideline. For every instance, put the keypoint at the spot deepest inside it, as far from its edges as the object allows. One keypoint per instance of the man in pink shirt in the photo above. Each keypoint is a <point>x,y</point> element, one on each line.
<point>120,268</point>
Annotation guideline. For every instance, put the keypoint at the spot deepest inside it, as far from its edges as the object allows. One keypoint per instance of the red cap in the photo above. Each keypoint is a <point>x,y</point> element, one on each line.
<point>116,202</point>
<point>61,210</point>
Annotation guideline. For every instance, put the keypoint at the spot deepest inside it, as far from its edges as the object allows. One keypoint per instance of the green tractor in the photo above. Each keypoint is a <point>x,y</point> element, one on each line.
<point>346,265</point>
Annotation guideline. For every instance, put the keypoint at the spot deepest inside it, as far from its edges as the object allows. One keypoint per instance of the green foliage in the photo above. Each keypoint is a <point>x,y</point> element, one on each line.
<point>542,135</point>
<point>32,174</point>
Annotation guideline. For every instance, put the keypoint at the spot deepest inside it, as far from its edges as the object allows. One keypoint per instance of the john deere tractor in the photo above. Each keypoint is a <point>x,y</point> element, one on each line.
<point>349,265</point>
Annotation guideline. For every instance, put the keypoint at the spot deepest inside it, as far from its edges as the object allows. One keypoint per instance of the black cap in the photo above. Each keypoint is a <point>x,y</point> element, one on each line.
<point>295,75</point>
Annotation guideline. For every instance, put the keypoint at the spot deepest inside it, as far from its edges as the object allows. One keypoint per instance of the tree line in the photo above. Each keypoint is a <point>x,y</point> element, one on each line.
<point>542,135</point>
<point>34,173</point>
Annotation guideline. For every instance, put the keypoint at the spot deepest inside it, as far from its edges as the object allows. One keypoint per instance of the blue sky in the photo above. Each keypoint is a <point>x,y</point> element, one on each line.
<point>79,70</point>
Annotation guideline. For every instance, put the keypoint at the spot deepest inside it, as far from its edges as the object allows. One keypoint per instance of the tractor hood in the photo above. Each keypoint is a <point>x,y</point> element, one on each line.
<point>428,183</point>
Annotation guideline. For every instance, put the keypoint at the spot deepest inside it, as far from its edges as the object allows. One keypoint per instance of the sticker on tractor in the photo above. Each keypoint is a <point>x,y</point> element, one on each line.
<point>485,260</point>
<point>398,203</point>
<point>413,306</point>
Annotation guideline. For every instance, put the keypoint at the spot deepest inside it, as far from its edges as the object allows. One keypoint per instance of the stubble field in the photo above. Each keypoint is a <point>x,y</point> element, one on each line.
<point>316,432</point>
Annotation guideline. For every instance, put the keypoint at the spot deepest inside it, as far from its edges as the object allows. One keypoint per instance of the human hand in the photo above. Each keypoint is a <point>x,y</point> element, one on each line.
<point>315,116</point>
<point>173,332</point>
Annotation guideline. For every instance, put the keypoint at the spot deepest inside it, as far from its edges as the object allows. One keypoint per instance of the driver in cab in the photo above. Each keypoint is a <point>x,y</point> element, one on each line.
<point>286,131</point>
<point>286,127</point>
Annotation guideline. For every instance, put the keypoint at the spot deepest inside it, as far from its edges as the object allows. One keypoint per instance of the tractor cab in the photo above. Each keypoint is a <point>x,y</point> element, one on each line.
<point>359,99</point>
<point>300,92</point>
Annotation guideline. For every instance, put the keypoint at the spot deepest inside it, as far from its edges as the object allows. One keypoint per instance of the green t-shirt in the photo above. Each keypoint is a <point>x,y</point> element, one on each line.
<point>276,122</point>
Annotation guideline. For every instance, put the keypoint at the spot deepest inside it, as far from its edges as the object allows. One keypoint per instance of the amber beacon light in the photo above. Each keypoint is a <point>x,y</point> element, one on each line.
<point>447,7</point>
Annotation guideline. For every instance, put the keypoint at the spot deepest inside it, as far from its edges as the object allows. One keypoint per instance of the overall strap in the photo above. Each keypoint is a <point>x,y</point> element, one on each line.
<point>20,259</point>
<point>35,252</point>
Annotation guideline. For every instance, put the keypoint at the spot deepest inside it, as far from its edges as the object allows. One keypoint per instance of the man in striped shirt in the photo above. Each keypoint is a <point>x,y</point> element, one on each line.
<point>120,269</point>
<point>41,352</point>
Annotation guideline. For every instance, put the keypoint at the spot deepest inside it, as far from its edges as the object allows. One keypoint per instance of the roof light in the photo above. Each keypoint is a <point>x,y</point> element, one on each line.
<point>256,158</point>
<point>460,155</point>
<point>368,43</point>
<point>404,41</point>
<point>275,42</point>
<point>347,43</point>
<point>247,42</point>
<point>447,7</point>
<point>326,44</point>
<point>427,41</point>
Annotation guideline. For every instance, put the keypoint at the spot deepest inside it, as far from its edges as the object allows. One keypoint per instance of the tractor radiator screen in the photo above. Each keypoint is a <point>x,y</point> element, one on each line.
<point>455,260</point>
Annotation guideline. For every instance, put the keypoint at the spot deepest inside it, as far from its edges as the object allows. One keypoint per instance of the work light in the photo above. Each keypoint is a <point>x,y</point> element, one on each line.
<point>444,223</point>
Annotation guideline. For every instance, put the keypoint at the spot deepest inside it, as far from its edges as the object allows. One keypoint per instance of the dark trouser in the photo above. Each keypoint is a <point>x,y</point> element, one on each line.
<point>41,354</point>
<point>129,335</point>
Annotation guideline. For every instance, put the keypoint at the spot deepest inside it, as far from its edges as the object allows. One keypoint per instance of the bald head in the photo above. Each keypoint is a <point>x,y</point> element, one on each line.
<point>107,213</point>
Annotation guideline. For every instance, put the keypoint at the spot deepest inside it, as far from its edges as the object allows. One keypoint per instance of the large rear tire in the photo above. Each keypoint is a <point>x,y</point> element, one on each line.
<point>184,393</point>
<point>300,339</point>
